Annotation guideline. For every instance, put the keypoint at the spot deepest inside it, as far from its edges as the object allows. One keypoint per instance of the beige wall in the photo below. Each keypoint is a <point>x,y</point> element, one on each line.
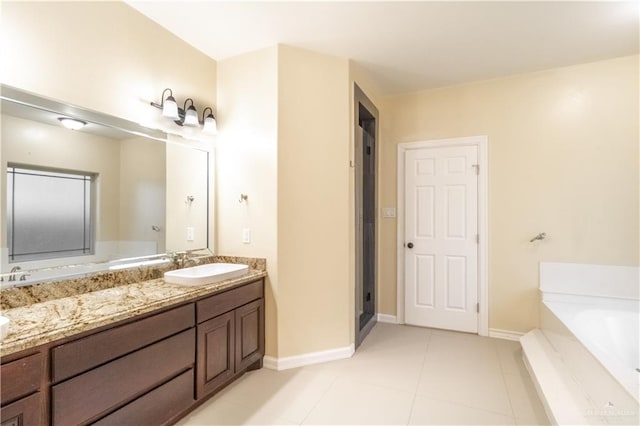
<point>246,163</point>
<point>563,159</point>
<point>104,56</point>
<point>313,202</point>
<point>285,143</point>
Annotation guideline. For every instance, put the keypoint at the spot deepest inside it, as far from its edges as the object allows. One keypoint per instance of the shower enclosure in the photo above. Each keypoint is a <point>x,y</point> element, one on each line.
<point>366,138</point>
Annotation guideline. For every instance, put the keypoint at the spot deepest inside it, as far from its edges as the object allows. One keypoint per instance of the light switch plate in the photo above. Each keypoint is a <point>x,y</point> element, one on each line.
<point>246,235</point>
<point>388,212</point>
<point>191,233</point>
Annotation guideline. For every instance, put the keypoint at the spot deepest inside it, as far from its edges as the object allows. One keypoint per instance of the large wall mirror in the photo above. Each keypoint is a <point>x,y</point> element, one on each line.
<point>93,191</point>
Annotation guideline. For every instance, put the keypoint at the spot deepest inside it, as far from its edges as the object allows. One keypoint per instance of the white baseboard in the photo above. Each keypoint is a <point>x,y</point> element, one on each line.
<point>310,358</point>
<point>505,334</point>
<point>390,319</point>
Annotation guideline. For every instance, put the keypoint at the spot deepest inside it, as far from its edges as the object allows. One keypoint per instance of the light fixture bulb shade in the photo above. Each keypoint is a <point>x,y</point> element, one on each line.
<point>210,125</point>
<point>72,123</point>
<point>191,117</point>
<point>170,108</point>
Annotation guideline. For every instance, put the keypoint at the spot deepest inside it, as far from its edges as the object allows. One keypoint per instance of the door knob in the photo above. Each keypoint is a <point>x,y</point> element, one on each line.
<point>410,245</point>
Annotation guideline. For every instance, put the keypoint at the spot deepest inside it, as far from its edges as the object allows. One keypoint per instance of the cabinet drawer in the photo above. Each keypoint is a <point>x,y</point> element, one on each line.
<point>97,391</point>
<point>157,407</point>
<point>24,412</point>
<point>81,355</point>
<point>20,377</point>
<point>227,301</point>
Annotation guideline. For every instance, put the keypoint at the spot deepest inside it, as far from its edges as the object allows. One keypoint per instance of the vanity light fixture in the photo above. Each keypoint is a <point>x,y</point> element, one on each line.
<point>187,115</point>
<point>168,106</point>
<point>209,122</point>
<point>72,123</point>
<point>190,114</point>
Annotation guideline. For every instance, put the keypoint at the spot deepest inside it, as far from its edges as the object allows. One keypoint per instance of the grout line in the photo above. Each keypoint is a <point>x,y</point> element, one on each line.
<point>415,392</point>
<point>461,404</point>
<point>504,381</point>
<point>333,382</point>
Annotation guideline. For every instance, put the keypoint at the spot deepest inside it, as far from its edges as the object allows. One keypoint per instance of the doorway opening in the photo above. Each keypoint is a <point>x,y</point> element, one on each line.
<point>365,150</point>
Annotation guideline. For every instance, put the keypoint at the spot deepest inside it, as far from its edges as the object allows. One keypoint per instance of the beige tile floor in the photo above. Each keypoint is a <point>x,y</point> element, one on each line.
<point>401,375</point>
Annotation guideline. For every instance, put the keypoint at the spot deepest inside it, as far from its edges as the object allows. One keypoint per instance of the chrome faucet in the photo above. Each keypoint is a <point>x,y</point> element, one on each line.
<point>12,277</point>
<point>180,258</point>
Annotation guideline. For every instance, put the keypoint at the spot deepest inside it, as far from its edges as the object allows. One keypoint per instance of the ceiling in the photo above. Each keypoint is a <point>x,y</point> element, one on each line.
<point>409,46</point>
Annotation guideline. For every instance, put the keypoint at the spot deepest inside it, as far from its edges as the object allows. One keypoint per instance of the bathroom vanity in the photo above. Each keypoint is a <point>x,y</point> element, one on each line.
<point>164,350</point>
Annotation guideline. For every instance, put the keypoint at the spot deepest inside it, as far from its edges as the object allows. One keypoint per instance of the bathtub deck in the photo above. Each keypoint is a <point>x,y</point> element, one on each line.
<point>547,375</point>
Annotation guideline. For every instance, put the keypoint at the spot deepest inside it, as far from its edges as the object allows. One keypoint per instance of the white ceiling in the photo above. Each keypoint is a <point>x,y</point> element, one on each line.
<point>414,45</point>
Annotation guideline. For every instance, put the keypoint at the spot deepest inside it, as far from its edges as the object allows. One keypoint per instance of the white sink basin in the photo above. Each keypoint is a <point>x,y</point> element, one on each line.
<point>205,274</point>
<point>4,327</point>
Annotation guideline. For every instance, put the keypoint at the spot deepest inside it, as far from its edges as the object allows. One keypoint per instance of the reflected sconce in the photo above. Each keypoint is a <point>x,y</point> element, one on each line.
<point>187,115</point>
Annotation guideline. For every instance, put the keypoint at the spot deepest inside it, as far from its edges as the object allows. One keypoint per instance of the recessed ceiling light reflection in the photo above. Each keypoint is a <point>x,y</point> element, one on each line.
<point>72,123</point>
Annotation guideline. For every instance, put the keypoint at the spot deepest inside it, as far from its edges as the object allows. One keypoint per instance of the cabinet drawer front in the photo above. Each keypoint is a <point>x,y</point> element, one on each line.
<point>20,377</point>
<point>229,300</point>
<point>97,391</point>
<point>81,355</point>
<point>24,412</point>
<point>157,407</point>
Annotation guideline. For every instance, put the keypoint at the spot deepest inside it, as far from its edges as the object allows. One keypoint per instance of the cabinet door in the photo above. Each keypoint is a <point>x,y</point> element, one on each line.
<point>24,412</point>
<point>249,334</point>
<point>216,362</point>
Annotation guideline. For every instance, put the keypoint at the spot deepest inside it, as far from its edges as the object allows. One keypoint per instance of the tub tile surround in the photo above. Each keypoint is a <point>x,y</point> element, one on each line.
<point>56,310</point>
<point>578,375</point>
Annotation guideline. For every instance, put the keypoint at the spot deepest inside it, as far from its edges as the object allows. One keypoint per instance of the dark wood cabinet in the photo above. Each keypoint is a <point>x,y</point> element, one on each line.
<point>158,407</point>
<point>231,338</point>
<point>249,334</point>
<point>93,394</point>
<point>20,396</point>
<point>148,370</point>
<point>78,356</point>
<point>216,360</point>
<point>23,412</point>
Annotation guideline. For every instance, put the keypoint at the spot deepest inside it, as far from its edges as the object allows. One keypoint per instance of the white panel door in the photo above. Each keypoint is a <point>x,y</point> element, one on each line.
<point>441,245</point>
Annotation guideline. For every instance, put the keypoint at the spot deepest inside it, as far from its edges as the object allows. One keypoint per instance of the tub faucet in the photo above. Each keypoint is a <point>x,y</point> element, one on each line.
<point>541,236</point>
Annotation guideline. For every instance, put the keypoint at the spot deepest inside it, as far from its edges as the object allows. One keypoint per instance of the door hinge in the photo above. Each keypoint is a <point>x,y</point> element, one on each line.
<point>477,167</point>
<point>478,307</point>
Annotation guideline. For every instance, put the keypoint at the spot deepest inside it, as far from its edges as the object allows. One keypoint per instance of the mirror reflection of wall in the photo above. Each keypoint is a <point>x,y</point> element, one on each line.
<point>129,185</point>
<point>187,202</point>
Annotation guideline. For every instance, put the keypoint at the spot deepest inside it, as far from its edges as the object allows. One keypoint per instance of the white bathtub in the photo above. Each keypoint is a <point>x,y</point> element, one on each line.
<point>585,354</point>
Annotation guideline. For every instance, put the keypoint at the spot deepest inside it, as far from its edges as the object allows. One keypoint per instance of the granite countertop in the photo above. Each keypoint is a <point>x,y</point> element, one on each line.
<point>47,321</point>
